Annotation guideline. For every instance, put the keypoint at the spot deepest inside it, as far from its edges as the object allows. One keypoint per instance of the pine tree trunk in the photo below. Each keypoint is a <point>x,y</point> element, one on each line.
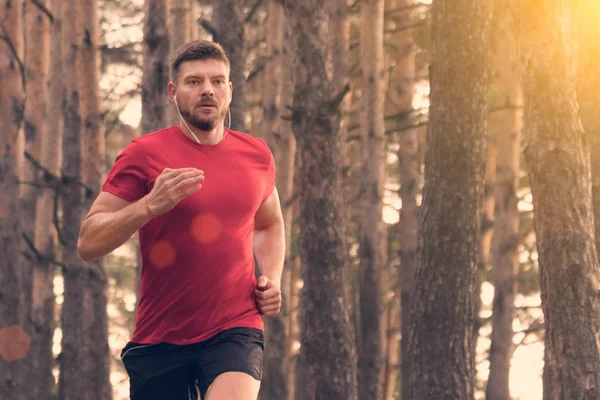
<point>41,381</point>
<point>156,76</point>
<point>14,341</point>
<point>585,18</point>
<point>558,158</point>
<point>179,35</point>
<point>193,5</point>
<point>441,323</point>
<point>93,173</point>
<point>275,382</point>
<point>327,360</point>
<point>228,20</point>
<point>75,363</point>
<point>504,127</point>
<point>372,231</point>
<point>410,176</point>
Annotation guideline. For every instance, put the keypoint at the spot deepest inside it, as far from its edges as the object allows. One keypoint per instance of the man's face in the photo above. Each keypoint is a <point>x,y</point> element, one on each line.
<point>203,92</point>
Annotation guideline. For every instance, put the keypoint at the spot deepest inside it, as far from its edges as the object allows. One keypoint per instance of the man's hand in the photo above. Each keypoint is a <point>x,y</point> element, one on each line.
<point>268,296</point>
<point>172,186</point>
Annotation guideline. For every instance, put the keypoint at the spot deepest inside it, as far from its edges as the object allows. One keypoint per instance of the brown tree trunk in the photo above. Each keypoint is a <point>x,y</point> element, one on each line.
<point>75,364</point>
<point>179,35</point>
<point>558,158</point>
<point>585,19</point>
<point>410,174</point>
<point>441,323</point>
<point>93,173</point>
<point>504,127</point>
<point>372,231</point>
<point>228,20</point>
<point>193,19</point>
<point>14,341</point>
<point>156,76</point>
<point>40,286</point>
<point>275,383</point>
<point>327,360</point>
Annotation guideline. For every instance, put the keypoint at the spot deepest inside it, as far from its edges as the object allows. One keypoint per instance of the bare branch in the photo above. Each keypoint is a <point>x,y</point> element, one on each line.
<point>44,10</point>
<point>252,11</point>
<point>5,36</point>
<point>208,27</point>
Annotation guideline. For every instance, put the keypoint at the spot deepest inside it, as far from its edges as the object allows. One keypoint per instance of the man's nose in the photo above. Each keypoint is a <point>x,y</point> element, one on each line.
<point>207,89</point>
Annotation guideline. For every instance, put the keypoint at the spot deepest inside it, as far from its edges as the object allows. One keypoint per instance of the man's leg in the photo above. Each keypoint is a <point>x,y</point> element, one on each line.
<point>230,365</point>
<point>233,386</point>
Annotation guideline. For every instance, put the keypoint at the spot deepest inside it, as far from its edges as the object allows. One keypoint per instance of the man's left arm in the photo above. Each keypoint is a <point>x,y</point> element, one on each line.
<point>269,250</point>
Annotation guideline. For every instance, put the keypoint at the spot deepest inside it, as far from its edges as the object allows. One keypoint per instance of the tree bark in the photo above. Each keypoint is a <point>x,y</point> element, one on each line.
<point>156,69</point>
<point>372,231</point>
<point>505,128</point>
<point>14,341</point>
<point>41,304</point>
<point>228,19</point>
<point>441,323</point>
<point>93,173</point>
<point>275,383</point>
<point>179,35</point>
<point>327,360</point>
<point>557,154</point>
<point>75,363</point>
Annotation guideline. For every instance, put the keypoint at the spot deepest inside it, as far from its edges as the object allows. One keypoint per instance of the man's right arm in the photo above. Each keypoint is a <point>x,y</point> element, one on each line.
<point>110,222</point>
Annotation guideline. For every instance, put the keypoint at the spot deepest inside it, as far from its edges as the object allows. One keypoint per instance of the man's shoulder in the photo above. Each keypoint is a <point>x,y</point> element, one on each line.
<point>156,136</point>
<point>248,141</point>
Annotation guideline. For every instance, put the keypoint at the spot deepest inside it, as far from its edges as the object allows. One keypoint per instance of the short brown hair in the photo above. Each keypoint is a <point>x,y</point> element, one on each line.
<point>197,50</point>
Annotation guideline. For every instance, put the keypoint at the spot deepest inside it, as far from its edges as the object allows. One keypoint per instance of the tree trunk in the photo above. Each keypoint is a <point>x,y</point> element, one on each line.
<point>372,231</point>
<point>75,362</point>
<point>193,5</point>
<point>228,20</point>
<point>441,323</point>
<point>279,137</point>
<point>179,35</point>
<point>558,158</point>
<point>504,126</point>
<point>585,18</point>
<point>156,69</point>
<point>14,341</point>
<point>41,381</point>
<point>327,360</point>
<point>410,176</point>
<point>93,173</point>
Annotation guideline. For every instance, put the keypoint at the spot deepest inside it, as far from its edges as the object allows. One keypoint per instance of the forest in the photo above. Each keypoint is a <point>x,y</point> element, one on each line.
<point>438,169</point>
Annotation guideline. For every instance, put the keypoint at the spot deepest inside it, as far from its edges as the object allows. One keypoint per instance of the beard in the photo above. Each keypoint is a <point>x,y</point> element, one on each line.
<point>201,122</point>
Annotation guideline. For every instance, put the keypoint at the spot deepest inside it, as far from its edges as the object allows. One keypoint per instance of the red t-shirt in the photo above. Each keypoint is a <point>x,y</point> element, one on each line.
<point>198,264</point>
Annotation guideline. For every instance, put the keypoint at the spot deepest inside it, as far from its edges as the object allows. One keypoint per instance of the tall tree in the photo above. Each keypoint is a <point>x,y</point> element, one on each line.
<point>180,29</point>
<point>157,49</point>
<point>40,285</point>
<point>92,174</point>
<point>441,320</point>
<point>327,364</point>
<point>275,384</point>
<point>558,158</point>
<point>75,363</point>
<point>229,32</point>
<point>14,342</point>
<point>505,128</point>
<point>410,175</point>
<point>372,231</point>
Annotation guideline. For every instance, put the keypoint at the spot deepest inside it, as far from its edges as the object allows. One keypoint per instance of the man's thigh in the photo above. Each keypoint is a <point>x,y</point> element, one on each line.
<point>161,371</point>
<point>233,386</point>
<point>231,361</point>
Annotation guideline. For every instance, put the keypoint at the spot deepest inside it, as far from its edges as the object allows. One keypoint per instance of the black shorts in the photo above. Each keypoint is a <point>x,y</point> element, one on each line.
<point>173,372</point>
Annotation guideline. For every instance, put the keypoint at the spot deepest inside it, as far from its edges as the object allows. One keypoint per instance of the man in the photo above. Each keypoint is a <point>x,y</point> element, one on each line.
<point>204,201</point>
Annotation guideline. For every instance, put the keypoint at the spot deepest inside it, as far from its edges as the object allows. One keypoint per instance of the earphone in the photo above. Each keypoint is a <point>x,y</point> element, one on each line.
<point>187,126</point>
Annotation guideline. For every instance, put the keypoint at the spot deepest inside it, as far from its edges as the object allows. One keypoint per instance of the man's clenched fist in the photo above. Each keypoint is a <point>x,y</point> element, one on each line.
<point>268,296</point>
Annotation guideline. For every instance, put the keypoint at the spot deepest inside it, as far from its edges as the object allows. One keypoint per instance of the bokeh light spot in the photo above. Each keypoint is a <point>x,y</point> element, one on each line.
<point>207,228</point>
<point>162,254</point>
<point>14,343</point>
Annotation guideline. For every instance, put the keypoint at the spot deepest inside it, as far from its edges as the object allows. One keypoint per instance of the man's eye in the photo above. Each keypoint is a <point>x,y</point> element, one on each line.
<point>194,82</point>
<point>219,81</point>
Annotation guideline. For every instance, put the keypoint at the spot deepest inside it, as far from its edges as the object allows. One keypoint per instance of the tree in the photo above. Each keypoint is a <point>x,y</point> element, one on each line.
<point>441,320</point>
<point>93,173</point>
<point>157,50</point>
<point>229,32</point>
<point>505,129</point>
<point>14,341</point>
<point>327,364</point>
<point>558,160</point>
<point>372,231</point>
<point>75,363</point>
<point>180,30</point>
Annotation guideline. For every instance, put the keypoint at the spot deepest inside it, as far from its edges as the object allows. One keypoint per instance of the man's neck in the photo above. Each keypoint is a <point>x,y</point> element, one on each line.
<point>208,138</point>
